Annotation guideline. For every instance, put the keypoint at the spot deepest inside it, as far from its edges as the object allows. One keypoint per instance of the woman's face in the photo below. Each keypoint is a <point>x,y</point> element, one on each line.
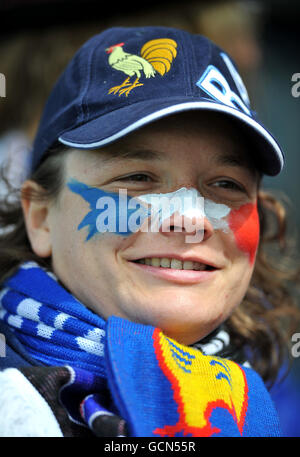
<point>191,151</point>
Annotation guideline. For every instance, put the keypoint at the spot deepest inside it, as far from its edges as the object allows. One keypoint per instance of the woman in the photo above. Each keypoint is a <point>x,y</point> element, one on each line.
<point>134,283</point>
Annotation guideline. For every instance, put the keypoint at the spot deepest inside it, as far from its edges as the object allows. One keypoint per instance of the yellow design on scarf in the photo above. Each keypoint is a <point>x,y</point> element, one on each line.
<point>200,384</point>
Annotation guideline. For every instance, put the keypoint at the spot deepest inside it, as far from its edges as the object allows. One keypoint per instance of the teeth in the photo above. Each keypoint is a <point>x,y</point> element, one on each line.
<point>199,266</point>
<point>176,264</point>
<point>155,262</point>
<point>164,262</point>
<point>188,265</point>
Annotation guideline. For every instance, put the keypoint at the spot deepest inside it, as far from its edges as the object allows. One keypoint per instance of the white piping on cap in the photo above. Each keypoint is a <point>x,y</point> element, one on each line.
<point>175,109</point>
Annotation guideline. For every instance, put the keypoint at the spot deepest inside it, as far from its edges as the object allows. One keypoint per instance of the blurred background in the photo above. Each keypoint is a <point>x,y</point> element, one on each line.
<point>38,38</point>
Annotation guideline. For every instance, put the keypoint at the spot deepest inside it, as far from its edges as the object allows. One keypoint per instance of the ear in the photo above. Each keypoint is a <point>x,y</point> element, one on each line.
<point>36,214</point>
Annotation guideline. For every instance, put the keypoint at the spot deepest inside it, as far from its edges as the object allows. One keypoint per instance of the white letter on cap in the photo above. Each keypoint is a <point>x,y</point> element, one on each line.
<point>217,87</point>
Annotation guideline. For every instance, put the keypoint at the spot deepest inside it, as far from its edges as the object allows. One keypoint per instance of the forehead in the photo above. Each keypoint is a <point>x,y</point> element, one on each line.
<point>192,134</point>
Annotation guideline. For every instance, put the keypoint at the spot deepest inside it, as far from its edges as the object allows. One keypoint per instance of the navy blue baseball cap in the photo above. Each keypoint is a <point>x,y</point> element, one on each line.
<point>124,78</point>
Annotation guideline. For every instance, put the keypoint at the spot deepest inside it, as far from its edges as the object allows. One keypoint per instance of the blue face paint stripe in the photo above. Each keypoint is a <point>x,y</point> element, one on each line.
<point>121,215</point>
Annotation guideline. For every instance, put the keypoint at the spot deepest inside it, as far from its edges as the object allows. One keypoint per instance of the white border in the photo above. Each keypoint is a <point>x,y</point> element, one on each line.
<point>177,108</point>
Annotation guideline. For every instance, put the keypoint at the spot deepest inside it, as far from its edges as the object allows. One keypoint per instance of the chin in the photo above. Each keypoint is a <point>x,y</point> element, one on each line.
<point>188,333</point>
<point>184,334</point>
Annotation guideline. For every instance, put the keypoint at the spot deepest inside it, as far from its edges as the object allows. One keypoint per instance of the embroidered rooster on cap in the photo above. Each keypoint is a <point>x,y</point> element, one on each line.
<point>156,57</point>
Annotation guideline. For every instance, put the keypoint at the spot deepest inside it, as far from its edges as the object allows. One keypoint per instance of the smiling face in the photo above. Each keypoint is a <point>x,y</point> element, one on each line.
<point>109,273</point>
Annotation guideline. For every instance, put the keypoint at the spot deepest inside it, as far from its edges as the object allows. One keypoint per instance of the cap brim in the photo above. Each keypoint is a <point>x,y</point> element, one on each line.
<point>115,125</point>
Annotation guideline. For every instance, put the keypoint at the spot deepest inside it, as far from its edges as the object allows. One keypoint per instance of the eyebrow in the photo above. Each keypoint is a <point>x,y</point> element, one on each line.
<point>113,154</point>
<point>239,161</point>
<point>234,160</point>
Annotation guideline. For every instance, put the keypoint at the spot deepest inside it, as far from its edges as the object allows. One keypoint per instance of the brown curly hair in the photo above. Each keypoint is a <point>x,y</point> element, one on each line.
<point>264,321</point>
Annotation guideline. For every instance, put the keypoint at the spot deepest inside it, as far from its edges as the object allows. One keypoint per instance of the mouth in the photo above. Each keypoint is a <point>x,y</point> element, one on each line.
<point>177,270</point>
<point>175,264</point>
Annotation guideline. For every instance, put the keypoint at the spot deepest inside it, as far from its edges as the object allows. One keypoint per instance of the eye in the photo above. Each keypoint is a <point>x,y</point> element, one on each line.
<point>229,184</point>
<point>138,177</point>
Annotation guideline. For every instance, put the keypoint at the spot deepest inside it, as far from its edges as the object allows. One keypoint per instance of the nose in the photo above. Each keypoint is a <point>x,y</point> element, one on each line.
<point>196,228</point>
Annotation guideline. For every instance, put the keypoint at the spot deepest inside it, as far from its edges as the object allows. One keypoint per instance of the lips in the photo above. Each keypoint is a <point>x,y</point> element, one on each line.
<point>178,270</point>
<point>177,262</point>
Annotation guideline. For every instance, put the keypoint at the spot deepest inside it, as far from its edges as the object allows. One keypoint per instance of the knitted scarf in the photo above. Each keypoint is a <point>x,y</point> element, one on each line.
<point>158,386</point>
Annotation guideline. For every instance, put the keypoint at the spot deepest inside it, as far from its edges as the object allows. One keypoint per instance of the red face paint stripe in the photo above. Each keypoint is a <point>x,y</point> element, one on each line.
<point>244,222</point>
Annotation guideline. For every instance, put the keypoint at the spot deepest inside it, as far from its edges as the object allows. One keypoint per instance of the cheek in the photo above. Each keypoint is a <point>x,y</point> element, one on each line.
<point>244,223</point>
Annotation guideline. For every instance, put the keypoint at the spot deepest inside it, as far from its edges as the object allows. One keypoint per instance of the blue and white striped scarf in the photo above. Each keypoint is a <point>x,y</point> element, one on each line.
<point>53,326</point>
